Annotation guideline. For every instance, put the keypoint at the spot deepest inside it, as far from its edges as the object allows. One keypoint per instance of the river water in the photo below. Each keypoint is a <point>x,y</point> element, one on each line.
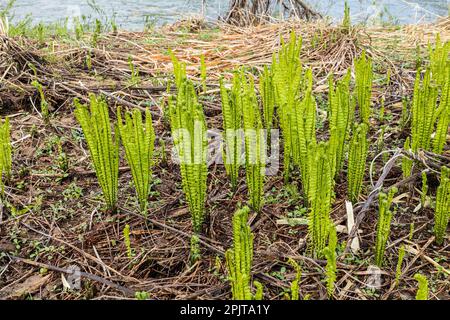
<point>132,14</point>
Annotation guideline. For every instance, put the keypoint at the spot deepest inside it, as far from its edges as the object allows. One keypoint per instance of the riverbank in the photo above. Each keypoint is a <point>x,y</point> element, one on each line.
<point>53,217</point>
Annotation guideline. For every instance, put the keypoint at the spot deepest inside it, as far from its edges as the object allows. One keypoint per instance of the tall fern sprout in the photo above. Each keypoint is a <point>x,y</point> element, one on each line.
<point>424,112</point>
<point>346,23</point>
<point>232,125</point>
<point>442,210</point>
<point>255,145</point>
<point>364,78</point>
<point>239,259</point>
<point>138,139</point>
<point>384,225</point>
<point>5,152</point>
<point>330,255</point>
<point>189,135</point>
<point>266,89</point>
<point>287,81</point>
<point>342,109</point>
<point>320,195</point>
<point>103,146</point>
<point>357,161</point>
<point>422,291</point>
<point>44,103</point>
<point>295,284</point>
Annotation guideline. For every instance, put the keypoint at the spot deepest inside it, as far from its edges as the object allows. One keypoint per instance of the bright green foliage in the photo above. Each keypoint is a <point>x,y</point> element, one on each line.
<point>203,72</point>
<point>443,114</point>
<point>407,163</point>
<point>305,122</point>
<point>258,291</point>
<point>296,282</point>
<point>195,248</point>
<point>188,127</point>
<point>422,291</point>
<point>44,103</point>
<point>104,148</point>
<point>439,61</point>
<point>5,151</point>
<point>266,89</point>
<point>320,195</point>
<point>342,109</point>
<point>346,23</point>
<point>384,224</point>
<point>357,161</point>
<point>255,144</point>
<point>179,70</point>
<point>138,140</point>
<point>287,81</point>
<point>239,258</point>
<point>364,78</point>
<point>423,112</point>
<point>135,78</point>
<point>398,269</point>
<point>232,125</point>
<point>424,191</point>
<point>442,210</point>
<point>126,239</point>
<point>330,255</point>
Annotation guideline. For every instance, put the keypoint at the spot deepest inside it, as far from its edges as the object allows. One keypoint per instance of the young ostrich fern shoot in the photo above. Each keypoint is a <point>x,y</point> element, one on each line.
<point>357,161</point>
<point>239,259</point>
<point>364,77</point>
<point>424,112</point>
<point>103,147</point>
<point>138,140</point>
<point>320,195</point>
<point>188,127</point>
<point>266,89</point>
<point>5,152</point>
<point>232,124</point>
<point>384,225</point>
<point>342,109</point>
<point>255,146</point>
<point>442,210</point>
<point>422,291</point>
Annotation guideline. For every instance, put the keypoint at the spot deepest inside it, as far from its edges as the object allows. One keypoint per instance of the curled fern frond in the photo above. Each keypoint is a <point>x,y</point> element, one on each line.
<point>422,291</point>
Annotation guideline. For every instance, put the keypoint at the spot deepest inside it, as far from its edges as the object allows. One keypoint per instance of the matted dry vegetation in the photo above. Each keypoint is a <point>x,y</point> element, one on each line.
<point>55,219</point>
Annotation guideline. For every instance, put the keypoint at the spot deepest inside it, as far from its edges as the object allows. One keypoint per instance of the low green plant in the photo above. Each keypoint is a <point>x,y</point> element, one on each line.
<point>357,161</point>
<point>5,152</point>
<point>44,104</point>
<point>96,33</point>
<point>127,241</point>
<point>398,269</point>
<point>363,86</point>
<point>424,191</point>
<point>422,291</point>
<point>330,255</point>
<point>232,125</point>
<point>295,284</point>
<point>203,72</point>
<point>346,23</point>
<point>138,139</point>
<point>135,78</point>
<point>240,257</point>
<point>320,195</point>
<point>384,224</point>
<point>103,146</point>
<point>442,209</point>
